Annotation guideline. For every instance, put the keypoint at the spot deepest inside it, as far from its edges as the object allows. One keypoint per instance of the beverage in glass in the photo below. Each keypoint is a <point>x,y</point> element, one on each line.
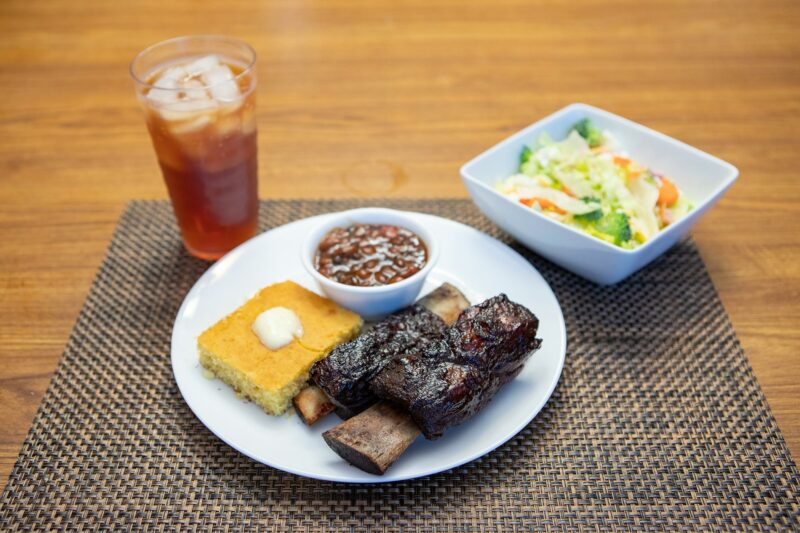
<point>198,96</point>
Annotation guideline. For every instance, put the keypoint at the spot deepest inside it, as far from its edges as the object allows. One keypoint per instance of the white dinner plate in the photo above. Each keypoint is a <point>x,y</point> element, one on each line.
<point>475,263</point>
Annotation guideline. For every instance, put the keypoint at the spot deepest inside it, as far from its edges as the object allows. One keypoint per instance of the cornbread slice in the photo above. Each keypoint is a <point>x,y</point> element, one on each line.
<point>233,353</point>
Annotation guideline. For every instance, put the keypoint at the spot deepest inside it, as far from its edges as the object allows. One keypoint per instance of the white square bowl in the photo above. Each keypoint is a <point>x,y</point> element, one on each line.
<point>702,177</point>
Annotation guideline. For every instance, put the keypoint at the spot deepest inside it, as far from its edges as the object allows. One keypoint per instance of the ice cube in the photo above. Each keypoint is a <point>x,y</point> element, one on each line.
<point>202,65</point>
<point>193,106</point>
<point>164,93</point>
<point>188,126</point>
<point>195,90</point>
<point>164,90</point>
<point>227,91</point>
<point>172,73</point>
<point>187,109</point>
<point>221,84</point>
<point>217,74</point>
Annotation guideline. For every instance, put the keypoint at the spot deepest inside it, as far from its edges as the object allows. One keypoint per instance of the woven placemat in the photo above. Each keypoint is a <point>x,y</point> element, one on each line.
<point>657,423</point>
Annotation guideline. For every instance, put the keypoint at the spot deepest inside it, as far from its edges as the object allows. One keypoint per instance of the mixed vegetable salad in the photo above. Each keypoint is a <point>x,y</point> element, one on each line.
<point>586,182</point>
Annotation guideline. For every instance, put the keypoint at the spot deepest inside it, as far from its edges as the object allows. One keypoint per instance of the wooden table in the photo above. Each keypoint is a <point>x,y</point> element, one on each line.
<point>384,98</point>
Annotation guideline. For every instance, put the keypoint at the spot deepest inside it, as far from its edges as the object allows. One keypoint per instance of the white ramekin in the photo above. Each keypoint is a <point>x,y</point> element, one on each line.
<point>370,302</point>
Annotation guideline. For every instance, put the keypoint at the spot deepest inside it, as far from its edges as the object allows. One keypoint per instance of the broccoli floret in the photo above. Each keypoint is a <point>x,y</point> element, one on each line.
<point>525,156</point>
<point>591,216</point>
<point>593,136</point>
<point>529,168</point>
<point>616,226</point>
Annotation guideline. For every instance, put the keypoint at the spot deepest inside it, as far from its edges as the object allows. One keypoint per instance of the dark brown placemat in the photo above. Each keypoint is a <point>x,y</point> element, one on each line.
<point>657,423</point>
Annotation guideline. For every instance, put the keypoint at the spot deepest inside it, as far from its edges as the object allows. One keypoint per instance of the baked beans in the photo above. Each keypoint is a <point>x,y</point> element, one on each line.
<point>369,255</point>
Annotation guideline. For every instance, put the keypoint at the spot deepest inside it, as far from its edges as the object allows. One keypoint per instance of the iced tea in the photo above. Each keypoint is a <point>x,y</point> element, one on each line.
<point>199,104</point>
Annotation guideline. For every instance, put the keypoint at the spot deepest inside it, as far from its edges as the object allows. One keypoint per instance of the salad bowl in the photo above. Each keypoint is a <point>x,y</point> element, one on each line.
<point>703,178</point>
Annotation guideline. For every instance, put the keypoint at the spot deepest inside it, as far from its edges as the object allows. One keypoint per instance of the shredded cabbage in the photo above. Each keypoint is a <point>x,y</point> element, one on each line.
<point>596,188</point>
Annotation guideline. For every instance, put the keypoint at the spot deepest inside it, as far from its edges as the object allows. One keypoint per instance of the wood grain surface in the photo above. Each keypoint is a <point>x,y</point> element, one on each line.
<point>376,98</point>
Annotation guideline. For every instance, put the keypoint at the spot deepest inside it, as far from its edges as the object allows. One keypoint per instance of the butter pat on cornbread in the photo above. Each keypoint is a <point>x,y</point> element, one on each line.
<point>271,378</point>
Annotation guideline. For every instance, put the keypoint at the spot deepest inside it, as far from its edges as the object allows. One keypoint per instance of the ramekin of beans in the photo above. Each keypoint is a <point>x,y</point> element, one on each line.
<point>372,260</point>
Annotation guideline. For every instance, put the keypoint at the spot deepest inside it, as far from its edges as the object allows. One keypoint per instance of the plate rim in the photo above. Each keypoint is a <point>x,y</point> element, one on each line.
<point>211,273</point>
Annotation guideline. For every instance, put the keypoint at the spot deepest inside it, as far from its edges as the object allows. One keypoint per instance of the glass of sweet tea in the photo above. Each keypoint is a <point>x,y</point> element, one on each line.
<point>198,96</point>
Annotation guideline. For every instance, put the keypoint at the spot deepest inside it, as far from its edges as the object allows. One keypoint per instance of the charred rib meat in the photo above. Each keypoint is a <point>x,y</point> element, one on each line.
<point>446,381</point>
<point>345,373</point>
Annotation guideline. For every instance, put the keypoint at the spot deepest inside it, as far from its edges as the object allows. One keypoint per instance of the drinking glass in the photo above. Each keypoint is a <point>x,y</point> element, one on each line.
<point>198,97</point>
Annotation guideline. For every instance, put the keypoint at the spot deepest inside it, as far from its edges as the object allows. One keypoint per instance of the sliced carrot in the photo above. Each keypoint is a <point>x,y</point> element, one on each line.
<point>544,203</point>
<point>566,190</point>
<point>665,217</point>
<point>668,193</point>
<point>621,161</point>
